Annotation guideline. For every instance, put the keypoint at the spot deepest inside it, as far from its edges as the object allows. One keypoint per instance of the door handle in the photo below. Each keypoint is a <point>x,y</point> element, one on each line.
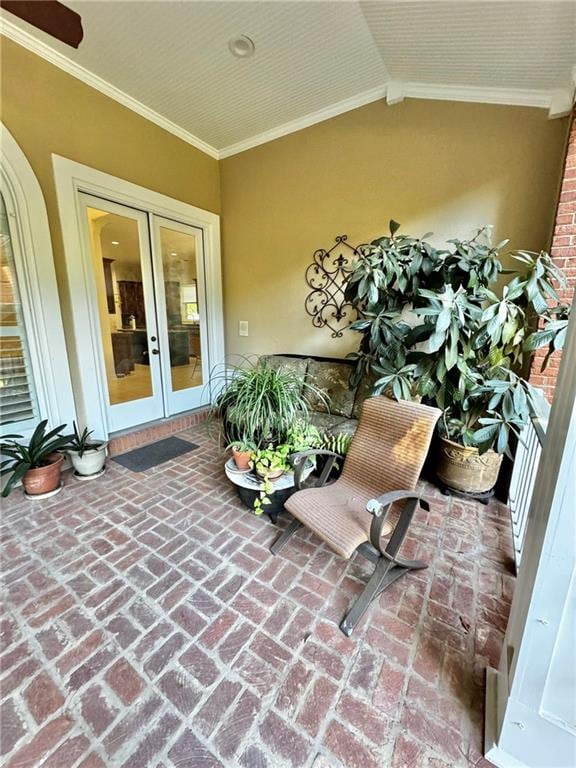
<point>155,351</point>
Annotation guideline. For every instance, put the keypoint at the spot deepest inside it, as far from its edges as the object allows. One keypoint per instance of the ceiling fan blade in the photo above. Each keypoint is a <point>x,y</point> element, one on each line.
<point>50,16</point>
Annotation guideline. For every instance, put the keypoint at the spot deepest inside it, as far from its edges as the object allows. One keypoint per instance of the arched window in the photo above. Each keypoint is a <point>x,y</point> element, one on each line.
<point>34,373</point>
<point>18,400</point>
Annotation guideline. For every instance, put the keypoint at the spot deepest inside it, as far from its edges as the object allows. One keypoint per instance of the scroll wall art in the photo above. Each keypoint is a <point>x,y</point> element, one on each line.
<point>326,277</point>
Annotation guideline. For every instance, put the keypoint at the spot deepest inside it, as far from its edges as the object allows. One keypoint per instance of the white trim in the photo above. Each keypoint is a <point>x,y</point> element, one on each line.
<point>538,647</point>
<point>132,413</point>
<point>71,178</point>
<point>333,110</point>
<point>394,92</point>
<point>561,103</point>
<point>38,288</point>
<point>28,41</point>
<point>494,753</point>
<point>516,97</point>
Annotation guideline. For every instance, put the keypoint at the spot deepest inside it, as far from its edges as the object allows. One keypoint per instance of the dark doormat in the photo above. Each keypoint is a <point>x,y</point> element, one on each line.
<point>150,456</point>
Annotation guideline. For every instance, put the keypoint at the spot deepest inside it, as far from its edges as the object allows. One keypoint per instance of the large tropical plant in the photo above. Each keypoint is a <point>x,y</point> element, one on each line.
<point>434,326</point>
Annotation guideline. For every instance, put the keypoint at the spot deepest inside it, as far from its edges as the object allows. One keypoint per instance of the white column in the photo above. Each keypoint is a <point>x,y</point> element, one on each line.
<point>531,699</point>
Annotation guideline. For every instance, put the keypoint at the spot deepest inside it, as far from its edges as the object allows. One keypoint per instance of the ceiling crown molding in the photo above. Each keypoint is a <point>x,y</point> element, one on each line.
<point>395,91</point>
<point>26,40</point>
<point>333,110</point>
<point>514,97</point>
<point>561,103</point>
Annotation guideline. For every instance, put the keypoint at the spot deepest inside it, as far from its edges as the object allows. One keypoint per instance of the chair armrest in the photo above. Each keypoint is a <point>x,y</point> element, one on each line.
<point>299,461</point>
<point>380,507</point>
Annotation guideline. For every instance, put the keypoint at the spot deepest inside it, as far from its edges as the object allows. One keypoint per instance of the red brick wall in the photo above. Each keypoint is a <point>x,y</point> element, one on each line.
<point>563,251</point>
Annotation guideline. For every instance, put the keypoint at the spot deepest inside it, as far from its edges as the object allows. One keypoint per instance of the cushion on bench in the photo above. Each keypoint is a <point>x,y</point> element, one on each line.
<point>333,379</point>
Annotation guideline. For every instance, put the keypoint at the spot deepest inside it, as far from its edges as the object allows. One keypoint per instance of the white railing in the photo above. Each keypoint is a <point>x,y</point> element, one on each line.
<point>524,472</point>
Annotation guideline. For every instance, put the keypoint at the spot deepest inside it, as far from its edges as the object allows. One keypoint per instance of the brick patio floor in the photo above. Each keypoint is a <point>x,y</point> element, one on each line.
<point>146,624</point>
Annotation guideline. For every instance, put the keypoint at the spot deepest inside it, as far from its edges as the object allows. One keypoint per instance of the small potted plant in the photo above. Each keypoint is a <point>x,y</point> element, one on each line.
<point>87,457</point>
<point>258,402</point>
<point>242,452</point>
<point>38,465</point>
<point>269,464</point>
<point>272,462</point>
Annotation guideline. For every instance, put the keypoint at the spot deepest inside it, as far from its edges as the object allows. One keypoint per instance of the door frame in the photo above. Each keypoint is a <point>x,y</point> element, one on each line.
<point>70,179</point>
<point>129,414</point>
<point>38,286</point>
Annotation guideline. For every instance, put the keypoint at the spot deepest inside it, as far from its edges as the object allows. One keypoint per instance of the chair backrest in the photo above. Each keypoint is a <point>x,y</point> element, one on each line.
<point>390,445</point>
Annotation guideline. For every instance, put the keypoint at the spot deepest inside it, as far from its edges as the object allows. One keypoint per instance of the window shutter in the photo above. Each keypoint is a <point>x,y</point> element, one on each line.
<point>18,403</point>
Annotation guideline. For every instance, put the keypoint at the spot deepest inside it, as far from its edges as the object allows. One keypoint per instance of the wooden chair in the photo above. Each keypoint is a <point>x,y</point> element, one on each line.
<point>195,348</point>
<point>380,470</point>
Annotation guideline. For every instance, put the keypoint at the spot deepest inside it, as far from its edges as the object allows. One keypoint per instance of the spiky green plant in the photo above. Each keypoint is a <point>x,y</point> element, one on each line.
<point>18,458</point>
<point>80,441</point>
<point>258,403</point>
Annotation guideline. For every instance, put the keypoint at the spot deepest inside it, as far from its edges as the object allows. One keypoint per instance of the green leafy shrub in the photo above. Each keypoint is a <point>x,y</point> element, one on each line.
<point>433,327</point>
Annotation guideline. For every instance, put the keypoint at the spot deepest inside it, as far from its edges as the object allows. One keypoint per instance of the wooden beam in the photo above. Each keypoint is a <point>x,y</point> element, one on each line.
<point>50,16</point>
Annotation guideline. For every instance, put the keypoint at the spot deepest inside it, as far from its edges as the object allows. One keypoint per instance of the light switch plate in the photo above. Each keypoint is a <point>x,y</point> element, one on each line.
<point>243,328</point>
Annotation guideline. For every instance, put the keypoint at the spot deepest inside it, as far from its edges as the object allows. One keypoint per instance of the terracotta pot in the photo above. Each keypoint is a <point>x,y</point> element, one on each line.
<point>46,478</point>
<point>241,458</point>
<point>464,469</point>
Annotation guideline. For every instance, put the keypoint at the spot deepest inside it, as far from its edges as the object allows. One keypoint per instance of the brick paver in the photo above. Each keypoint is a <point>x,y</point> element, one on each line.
<point>145,624</point>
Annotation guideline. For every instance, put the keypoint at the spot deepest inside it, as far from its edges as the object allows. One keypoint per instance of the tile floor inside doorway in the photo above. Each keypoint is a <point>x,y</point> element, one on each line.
<point>138,384</point>
<point>145,624</point>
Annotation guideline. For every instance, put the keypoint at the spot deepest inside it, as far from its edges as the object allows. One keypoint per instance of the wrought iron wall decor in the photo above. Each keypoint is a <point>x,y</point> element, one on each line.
<point>327,276</point>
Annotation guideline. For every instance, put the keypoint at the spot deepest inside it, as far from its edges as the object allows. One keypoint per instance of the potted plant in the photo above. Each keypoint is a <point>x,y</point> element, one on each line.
<point>269,464</point>
<point>272,462</point>
<point>87,457</point>
<point>38,465</point>
<point>257,402</point>
<point>433,328</point>
<point>242,451</point>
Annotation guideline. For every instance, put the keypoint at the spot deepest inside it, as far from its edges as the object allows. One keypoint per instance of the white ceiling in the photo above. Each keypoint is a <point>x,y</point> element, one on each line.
<point>170,60</point>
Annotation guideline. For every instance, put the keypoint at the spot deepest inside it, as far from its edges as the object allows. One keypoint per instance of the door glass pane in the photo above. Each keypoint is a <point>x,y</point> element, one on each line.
<point>18,404</point>
<point>116,255</point>
<point>182,307</point>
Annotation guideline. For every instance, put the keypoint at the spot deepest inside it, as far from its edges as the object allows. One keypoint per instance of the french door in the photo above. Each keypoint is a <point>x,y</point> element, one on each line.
<point>148,277</point>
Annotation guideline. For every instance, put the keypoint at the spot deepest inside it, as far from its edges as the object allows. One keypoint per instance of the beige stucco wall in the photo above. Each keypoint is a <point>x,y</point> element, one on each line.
<point>48,111</point>
<point>434,166</point>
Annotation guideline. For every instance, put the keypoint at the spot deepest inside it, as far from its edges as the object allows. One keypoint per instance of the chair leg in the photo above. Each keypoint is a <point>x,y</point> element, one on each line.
<point>281,540</point>
<point>370,591</point>
<point>388,569</point>
<point>385,573</point>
